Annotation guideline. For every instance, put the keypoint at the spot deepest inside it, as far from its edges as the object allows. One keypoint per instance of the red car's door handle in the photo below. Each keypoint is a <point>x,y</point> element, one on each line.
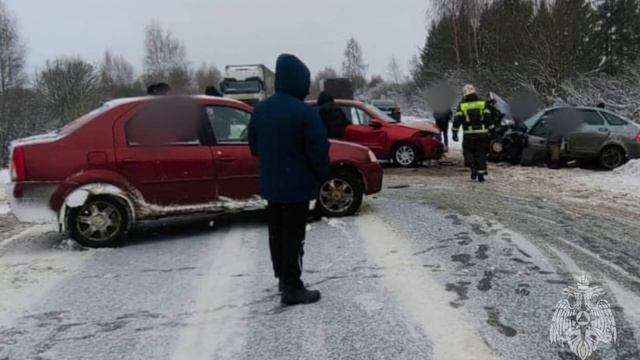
<point>227,158</point>
<point>130,161</point>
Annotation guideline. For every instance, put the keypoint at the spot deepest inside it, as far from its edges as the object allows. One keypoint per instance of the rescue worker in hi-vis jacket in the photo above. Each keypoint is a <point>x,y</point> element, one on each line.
<point>475,116</point>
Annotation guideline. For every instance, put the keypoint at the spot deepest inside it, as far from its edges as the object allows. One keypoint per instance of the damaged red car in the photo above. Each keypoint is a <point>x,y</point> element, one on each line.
<point>152,157</point>
<point>406,144</point>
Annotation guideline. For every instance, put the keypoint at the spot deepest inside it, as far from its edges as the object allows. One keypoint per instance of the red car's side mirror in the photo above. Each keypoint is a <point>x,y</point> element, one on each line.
<point>375,124</point>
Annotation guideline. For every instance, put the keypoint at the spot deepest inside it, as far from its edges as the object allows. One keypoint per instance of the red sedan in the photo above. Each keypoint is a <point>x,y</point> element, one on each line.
<point>405,144</point>
<point>147,158</point>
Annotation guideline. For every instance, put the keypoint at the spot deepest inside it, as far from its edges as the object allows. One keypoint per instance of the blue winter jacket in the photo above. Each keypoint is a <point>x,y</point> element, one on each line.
<point>289,139</point>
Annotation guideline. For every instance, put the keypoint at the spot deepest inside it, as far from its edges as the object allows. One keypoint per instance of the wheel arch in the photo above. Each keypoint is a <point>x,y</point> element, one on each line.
<point>80,195</point>
<point>351,168</point>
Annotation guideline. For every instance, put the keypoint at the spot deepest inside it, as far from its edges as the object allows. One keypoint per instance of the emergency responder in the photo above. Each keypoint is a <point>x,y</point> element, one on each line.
<point>475,116</point>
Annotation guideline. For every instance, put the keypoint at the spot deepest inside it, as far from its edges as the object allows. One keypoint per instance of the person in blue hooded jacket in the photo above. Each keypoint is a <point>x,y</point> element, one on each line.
<point>290,141</point>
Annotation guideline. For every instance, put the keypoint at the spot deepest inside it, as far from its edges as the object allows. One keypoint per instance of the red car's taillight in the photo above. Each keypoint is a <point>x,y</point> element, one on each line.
<point>638,138</point>
<point>18,165</point>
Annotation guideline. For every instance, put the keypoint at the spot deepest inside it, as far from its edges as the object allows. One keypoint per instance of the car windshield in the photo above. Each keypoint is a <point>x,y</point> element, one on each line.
<point>380,114</point>
<point>241,87</point>
<point>530,122</point>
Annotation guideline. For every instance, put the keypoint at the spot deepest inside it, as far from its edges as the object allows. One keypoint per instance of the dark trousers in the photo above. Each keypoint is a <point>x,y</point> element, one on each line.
<point>287,231</point>
<point>444,127</point>
<point>474,147</point>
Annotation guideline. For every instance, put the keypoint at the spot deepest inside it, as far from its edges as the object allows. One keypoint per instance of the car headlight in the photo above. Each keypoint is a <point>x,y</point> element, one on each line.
<point>372,156</point>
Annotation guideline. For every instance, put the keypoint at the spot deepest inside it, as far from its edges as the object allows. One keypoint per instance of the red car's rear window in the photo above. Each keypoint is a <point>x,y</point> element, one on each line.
<point>83,120</point>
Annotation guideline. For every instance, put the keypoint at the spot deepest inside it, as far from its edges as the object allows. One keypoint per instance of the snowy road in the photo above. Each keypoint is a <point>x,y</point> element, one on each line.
<point>435,267</point>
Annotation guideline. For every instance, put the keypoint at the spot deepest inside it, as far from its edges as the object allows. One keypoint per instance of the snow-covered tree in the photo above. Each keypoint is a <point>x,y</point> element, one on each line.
<point>394,72</point>
<point>206,75</point>
<point>68,88</point>
<point>12,52</point>
<point>353,66</point>
<point>165,59</point>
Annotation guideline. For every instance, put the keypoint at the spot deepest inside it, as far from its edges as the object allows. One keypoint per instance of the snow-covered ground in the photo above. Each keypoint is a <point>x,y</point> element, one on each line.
<point>4,204</point>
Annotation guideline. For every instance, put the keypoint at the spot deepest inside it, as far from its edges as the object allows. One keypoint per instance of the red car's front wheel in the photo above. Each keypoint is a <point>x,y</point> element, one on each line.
<point>406,155</point>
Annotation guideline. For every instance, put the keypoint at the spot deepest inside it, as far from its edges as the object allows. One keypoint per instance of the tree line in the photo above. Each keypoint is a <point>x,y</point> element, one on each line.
<point>578,52</point>
<point>545,46</point>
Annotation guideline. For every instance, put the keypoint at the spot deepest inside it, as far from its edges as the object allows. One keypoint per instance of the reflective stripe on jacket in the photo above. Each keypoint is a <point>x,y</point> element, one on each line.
<point>474,115</point>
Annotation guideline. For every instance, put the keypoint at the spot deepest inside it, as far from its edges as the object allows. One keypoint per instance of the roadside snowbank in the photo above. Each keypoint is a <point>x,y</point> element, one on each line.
<point>4,179</point>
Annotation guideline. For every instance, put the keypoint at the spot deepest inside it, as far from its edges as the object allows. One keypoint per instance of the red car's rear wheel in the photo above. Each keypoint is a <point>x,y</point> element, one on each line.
<point>100,222</point>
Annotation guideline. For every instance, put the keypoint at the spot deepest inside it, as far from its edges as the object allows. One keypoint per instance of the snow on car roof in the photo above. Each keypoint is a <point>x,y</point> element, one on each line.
<point>129,100</point>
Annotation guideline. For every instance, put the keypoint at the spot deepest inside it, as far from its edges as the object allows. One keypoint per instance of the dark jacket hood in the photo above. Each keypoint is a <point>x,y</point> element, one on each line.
<point>292,76</point>
<point>324,98</point>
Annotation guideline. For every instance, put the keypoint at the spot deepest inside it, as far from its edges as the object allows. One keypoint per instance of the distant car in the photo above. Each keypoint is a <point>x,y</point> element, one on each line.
<point>389,107</point>
<point>148,158</point>
<point>405,144</point>
<point>601,135</point>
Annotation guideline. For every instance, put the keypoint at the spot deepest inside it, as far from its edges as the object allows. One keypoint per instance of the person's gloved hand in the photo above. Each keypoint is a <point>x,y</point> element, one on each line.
<point>454,137</point>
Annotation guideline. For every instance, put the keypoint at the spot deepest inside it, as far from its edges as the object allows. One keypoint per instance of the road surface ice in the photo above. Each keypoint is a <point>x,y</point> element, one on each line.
<point>434,267</point>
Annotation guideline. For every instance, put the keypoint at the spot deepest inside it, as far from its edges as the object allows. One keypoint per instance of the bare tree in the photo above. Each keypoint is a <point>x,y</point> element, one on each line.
<point>207,75</point>
<point>165,59</point>
<point>116,71</point>
<point>68,88</point>
<point>12,52</point>
<point>394,73</point>
<point>451,10</point>
<point>353,66</point>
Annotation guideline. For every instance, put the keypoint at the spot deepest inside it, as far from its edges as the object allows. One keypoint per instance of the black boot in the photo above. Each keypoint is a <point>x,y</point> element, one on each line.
<point>474,175</point>
<point>481,177</point>
<point>299,295</point>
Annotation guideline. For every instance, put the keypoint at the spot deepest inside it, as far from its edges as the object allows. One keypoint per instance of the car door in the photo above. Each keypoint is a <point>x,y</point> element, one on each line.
<point>588,138</point>
<point>237,170</point>
<point>536,150</point>
<point>361,131</point>
<point>160,150</point>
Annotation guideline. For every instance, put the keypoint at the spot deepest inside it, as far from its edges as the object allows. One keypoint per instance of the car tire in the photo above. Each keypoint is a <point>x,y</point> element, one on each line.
<point>612,157</point>
<point>341,195</point>
<point>496,150</point>
<point>101,222</point>
<point>406,155</point>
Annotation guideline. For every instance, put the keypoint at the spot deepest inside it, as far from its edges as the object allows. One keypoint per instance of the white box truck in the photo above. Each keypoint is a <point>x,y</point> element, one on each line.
<point>248,83</point>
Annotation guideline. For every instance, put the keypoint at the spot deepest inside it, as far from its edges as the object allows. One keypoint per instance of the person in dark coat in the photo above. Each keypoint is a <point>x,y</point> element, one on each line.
<point>291,144</point>
<point>333,117</point>
<point>442,122</point>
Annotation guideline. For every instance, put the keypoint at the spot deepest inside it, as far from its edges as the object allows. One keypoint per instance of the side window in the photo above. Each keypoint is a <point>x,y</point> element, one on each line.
<point>364,118</point>
<point>347,110</point>
<point>591,118</point>
<point>613,119</point>
<point>356,116</point>
<point>230,126</point>
<point>163,125</point>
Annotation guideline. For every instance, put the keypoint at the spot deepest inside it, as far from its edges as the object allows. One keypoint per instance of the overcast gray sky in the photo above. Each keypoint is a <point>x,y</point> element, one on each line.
<point>226,32</point>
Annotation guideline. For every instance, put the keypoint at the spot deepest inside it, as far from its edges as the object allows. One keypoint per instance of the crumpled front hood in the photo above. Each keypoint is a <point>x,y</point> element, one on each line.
<point>421,125</point>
